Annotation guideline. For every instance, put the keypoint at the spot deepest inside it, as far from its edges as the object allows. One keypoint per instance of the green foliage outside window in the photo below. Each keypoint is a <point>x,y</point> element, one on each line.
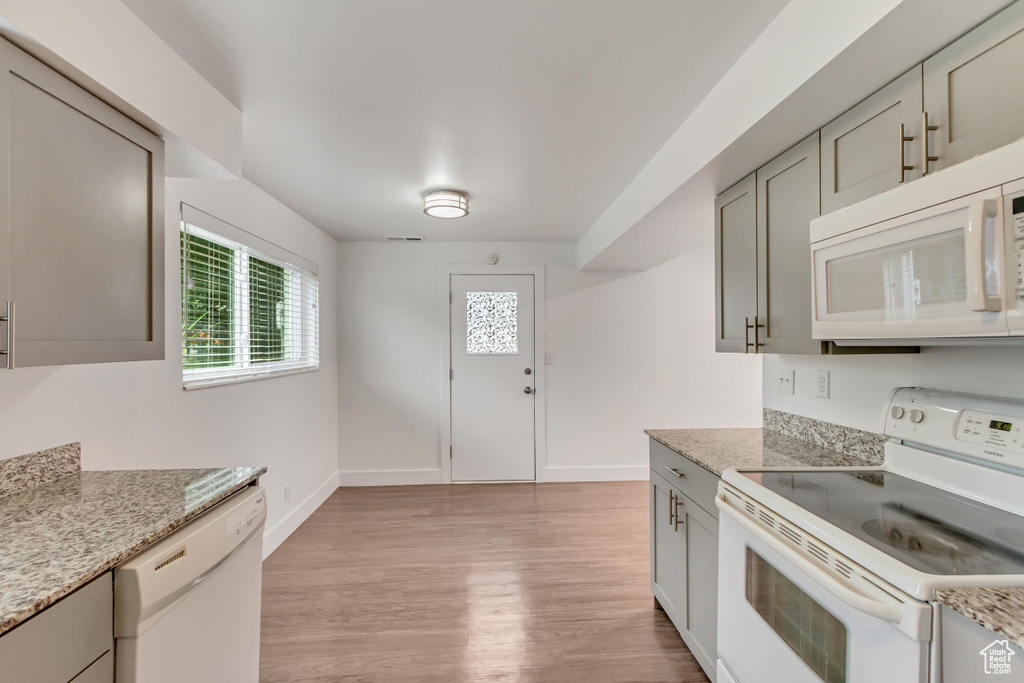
<point>208,293</point>
<point>266,311</point>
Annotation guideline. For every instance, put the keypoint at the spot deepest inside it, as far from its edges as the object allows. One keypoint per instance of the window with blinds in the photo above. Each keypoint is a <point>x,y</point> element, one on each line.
<point>245,313</point>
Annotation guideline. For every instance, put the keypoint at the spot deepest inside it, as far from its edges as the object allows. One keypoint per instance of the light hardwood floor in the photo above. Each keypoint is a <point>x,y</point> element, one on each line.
<point>499,582</point>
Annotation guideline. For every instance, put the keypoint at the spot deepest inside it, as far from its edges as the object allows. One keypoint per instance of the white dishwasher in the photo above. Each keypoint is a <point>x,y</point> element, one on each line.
<point>188,609</point>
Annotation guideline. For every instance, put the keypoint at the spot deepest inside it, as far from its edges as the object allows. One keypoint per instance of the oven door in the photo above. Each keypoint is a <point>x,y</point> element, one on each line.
<point>782,620</point>
<point>931,274</point>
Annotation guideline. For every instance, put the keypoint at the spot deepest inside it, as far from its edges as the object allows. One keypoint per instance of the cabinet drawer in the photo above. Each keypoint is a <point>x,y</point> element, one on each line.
<point>61,641</point>
<point>687,476</point>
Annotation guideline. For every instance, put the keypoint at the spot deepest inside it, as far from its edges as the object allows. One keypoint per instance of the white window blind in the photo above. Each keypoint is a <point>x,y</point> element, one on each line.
<point>246,313</point>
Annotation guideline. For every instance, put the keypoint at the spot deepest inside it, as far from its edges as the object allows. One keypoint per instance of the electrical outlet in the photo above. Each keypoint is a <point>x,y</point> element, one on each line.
<point>786,381</point>
<point>822,383</point>
<point>287,492</point>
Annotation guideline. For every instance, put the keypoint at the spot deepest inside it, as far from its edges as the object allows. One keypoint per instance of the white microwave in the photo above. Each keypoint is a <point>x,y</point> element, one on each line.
<point>937,261</point>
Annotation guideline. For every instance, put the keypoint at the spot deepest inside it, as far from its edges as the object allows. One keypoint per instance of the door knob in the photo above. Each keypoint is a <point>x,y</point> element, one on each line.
<point>528,390</point>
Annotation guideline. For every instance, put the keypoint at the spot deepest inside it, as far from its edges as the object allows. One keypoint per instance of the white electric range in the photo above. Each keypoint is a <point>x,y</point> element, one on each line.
<point>827,574</point>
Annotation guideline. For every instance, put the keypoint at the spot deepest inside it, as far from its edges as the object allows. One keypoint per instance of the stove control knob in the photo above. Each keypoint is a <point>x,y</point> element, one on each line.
<point>896,412</point>
<point>916,416</point>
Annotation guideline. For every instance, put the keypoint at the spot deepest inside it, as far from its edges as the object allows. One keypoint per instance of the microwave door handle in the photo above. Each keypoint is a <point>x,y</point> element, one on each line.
<point>977,277</point>
<point>859,602</point>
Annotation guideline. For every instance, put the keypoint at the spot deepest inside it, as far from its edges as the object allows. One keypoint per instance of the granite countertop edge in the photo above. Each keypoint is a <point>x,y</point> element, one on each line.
<point>752,447</point>
<point>112,561</point>
<point>1000,610</point>
<point>694,457</point>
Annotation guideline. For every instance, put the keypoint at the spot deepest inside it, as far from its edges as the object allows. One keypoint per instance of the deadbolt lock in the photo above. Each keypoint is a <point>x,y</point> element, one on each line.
<point>528,371</point>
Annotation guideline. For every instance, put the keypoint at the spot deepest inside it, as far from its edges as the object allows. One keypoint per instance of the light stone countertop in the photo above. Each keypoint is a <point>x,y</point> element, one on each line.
<point>719,449</point>
<point>58,536</point>
<point>997,609</point>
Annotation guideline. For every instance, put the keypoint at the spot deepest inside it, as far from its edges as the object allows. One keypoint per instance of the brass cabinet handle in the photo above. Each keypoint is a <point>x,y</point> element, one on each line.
<point>9,319</point>
<point>904,139</point>
<point>679,518</point>
<point>746,335</point>
<point>675,472</point>
<point>927,158</point>
<point>671,507</point>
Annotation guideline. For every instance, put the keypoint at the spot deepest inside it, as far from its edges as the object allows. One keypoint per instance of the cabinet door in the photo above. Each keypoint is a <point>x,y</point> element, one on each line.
<point>701,583</point>
<point>968,647</point>
<point>787,200</point>
<point>668,552</point>
<point>860,150</point>
<point>60,642</point>
<point>83,233</point>
<point>972,90</point>
<point>735,265</point>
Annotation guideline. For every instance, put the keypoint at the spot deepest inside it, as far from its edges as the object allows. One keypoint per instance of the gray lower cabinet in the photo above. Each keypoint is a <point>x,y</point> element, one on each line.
<point>862,150</point>
<point>684,551</point>
<point>81,246</point>
<point>970,652</point>
<point>735,265</point>
<point>972,92</point>
<point>71,640</point>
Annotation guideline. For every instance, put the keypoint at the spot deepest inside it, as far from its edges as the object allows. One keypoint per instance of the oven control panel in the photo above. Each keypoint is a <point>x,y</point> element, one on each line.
<point>979,427</point>
<point>999,431</point>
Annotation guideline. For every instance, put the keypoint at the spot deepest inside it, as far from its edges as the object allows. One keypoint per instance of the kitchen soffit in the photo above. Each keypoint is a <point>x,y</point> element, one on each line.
<point>545,109</point>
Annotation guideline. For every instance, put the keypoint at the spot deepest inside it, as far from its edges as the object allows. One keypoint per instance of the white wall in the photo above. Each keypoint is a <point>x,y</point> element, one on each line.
<point>136,415</point>
<point>103,43</point>
<point>631,351</point>
<point>861,384</point>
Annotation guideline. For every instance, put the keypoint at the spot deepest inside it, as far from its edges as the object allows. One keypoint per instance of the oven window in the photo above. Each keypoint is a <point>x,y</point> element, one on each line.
<point>817,637</point>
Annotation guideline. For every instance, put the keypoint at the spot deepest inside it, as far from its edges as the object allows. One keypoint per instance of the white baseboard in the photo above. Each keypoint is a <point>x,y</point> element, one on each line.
<point>276,535</point>
<point>616,473</point>
<point>388,477</point>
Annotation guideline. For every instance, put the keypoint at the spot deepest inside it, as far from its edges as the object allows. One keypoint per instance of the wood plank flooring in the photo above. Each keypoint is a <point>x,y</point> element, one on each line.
<point>498,582</point>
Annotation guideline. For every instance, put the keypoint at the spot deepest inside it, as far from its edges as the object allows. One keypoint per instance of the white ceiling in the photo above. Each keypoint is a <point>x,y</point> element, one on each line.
<point>542,110</point>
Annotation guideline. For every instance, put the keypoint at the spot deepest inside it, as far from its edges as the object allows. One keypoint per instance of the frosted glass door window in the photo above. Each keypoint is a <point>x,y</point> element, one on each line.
<point>916,279</point>
<point>492,323</point>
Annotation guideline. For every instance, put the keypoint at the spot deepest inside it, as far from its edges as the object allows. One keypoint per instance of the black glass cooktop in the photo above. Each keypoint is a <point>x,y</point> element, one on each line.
<point>927,528</point>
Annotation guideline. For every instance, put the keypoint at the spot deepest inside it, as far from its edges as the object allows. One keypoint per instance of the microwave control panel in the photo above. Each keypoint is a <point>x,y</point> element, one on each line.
<point>1018,244</point>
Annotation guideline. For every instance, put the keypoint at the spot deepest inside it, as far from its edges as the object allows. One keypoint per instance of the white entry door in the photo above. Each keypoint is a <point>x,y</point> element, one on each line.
<point>492,378</point>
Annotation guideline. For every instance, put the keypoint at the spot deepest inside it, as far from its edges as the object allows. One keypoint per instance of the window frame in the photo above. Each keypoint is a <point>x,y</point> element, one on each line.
<point>300,340</point>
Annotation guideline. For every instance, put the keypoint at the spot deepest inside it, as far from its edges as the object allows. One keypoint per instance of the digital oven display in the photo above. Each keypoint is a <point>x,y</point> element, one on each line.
<point>1001,426</point>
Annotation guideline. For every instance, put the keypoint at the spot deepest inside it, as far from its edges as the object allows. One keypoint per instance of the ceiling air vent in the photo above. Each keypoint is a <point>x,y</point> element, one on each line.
<point>403,239</point>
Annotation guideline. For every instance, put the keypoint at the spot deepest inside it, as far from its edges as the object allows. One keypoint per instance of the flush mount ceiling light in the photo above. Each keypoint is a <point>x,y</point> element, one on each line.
<point>445,204</point>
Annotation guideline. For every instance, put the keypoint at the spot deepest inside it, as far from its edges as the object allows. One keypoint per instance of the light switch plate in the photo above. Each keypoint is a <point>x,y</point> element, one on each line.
<point>786,381</point>
<point>549,358</point>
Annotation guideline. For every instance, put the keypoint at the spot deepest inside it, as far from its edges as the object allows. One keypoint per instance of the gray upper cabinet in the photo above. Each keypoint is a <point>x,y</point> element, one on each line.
<point>735,265</point>
<point>787,201</point>
<point>81,246</point>
<point>972,91</point>
<point>862,149</point>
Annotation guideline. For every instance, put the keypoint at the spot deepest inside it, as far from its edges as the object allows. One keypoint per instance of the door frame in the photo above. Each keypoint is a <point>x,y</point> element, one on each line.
<point>444,361</point>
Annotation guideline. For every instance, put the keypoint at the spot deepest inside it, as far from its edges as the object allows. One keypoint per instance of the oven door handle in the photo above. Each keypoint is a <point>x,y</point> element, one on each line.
<point>852,598</point>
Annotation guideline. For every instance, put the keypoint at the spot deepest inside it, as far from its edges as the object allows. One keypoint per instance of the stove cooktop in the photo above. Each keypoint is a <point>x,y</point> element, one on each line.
<point>929,529</point>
